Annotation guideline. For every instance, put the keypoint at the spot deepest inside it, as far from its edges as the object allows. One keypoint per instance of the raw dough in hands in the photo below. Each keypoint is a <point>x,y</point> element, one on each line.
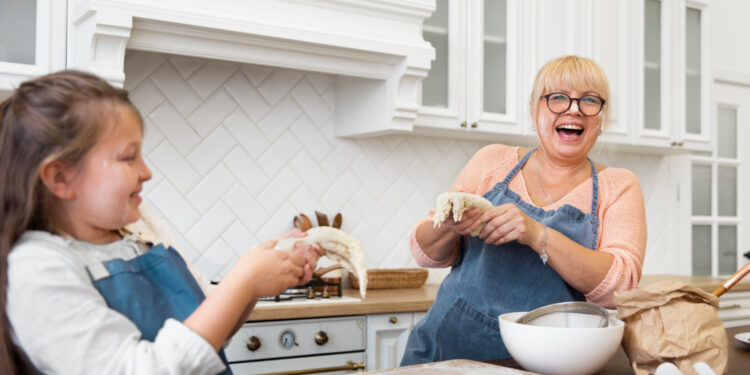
<point>339,246</point>
<point>457,203</point>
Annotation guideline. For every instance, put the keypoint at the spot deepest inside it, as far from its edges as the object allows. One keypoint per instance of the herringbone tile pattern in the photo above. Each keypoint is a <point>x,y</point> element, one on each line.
<point>238,150</point>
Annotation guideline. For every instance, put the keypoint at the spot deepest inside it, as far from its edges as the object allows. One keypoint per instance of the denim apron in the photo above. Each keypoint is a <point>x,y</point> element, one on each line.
<point>489,280</point>
<point>149,289</point>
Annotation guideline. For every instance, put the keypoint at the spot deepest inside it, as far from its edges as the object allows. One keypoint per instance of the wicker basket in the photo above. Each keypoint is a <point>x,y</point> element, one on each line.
<point>392,278</point>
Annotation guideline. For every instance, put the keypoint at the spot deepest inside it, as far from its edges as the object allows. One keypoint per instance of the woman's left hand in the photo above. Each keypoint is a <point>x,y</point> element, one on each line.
<point>506,223</point>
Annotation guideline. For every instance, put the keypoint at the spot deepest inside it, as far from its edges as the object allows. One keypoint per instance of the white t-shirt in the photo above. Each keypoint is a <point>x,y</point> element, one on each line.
<point>65,326</point>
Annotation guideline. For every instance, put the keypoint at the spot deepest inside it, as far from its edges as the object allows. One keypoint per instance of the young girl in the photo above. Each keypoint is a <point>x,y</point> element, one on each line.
<point>80,295</point>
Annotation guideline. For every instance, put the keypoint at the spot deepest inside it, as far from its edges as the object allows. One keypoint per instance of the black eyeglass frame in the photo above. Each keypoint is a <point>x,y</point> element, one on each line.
<point>570,102</point>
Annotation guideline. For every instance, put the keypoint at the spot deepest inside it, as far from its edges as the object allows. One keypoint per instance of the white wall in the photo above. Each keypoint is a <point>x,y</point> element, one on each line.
<point>238,150</point>
<point>730,46</point>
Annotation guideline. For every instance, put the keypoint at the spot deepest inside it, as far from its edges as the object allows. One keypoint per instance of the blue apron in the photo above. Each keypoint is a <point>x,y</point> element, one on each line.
<point>489,280</point>
<point>149,289</point>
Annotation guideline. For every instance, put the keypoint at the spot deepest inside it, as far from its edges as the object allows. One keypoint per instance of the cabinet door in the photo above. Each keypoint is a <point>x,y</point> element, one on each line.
<point>444,88</point>
<point>672,76</point>
<point>386,339</point>
<point>492,90</point>
<point>32,39</point>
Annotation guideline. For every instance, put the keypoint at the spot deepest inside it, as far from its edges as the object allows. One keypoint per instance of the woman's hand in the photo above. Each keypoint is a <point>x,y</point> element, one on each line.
<point>470,220</point>
<point>507,223</point>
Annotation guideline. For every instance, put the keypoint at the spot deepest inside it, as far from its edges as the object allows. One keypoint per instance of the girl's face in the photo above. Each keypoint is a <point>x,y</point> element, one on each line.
<point>569,135</point>
<point>108,183</point>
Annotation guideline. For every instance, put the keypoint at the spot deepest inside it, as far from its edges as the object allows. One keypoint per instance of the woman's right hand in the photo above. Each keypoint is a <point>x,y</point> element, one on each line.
<point>465,226</point>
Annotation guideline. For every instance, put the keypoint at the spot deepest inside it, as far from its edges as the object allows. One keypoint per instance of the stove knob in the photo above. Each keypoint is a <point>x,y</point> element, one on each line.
<point>253,343</point>
<point>321,338</point>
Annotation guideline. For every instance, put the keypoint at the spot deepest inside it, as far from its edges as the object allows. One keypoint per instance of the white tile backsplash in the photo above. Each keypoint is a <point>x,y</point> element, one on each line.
<point>238,150</point>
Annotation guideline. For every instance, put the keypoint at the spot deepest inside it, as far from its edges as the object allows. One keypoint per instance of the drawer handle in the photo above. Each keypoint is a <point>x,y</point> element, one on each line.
<point>463,124</point>
<point>730,307</point>
<point>393,320</point>
<point>350,366</point>
<point>474,125</point>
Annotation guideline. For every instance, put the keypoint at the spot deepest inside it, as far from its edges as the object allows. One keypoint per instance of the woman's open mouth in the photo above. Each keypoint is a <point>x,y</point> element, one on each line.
<point>570,129</point>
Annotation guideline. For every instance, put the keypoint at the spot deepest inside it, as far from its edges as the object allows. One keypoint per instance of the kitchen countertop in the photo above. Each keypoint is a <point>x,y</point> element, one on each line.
<point>377,301</point>
<point>382,301</point>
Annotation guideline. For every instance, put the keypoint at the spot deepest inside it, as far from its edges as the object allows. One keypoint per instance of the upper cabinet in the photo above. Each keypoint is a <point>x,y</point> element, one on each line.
<point>673,75</point>
<point>32,40</point>
<point>654,52</point>
<point>472,85</point>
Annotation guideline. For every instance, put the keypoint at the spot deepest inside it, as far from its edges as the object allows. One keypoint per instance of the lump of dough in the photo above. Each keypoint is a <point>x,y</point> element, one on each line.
<point>457,203</point>
<point>339,246</point>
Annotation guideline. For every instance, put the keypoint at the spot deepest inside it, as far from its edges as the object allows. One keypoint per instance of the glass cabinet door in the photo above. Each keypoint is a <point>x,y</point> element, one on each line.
<point>436,32</point>
<point>495,50</point>
<point>652,66</point>
<point>32,40</point>
<point>18,31</point>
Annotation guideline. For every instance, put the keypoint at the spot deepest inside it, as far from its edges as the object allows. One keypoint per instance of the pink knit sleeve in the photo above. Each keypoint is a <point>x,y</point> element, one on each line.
<point>475,178</point>
<point>622,233</point>
<point>419,255</point>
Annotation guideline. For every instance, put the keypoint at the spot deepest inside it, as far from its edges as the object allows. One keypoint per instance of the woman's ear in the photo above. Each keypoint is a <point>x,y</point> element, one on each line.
<point>57,176</point>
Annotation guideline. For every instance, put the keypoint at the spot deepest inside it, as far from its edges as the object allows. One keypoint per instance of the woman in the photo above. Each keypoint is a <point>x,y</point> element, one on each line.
<point>586,222</point>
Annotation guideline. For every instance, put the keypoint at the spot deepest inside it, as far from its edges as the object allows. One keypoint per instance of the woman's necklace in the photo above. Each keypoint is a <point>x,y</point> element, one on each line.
<point>541,182</point>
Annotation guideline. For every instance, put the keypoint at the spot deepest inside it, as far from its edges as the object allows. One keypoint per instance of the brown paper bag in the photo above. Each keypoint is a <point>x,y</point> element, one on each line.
<point>671,321</point>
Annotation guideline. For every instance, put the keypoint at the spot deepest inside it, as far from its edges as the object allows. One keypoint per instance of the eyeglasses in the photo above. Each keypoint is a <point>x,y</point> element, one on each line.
<point>589,105</point>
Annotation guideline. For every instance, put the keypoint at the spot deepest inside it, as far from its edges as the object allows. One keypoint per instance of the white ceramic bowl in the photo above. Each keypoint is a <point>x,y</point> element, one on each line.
<point>561,350</point>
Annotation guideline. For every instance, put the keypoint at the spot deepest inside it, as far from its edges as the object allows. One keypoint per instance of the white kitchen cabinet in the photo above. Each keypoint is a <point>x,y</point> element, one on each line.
<point>32,40</point>
<point>734,308</point>
<point>672,74</point>
<point>472,86</point>
<point>386,338</point>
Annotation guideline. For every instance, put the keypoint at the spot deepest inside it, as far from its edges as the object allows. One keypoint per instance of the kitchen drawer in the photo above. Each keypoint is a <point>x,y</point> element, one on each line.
<point>734,309</point>
<point>298,364</point>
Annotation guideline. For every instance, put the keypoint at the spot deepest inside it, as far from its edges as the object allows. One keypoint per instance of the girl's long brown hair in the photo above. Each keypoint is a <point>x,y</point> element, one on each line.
<point>55,117</point>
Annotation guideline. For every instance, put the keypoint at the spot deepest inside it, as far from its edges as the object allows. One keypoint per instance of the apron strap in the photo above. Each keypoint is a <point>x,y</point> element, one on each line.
<point>518,166</point>
<point>595,195</point>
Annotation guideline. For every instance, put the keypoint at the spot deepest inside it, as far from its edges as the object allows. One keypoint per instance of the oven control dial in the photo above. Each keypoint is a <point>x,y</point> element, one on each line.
<point>253,343</point>
<point>287,339</point>
<point>321,338</point>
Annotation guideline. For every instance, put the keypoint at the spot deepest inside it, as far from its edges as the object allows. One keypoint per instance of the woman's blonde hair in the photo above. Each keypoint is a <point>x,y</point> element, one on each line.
<point>576,72</point>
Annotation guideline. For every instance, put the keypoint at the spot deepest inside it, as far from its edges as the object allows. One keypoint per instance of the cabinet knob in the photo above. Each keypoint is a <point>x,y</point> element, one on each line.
<point>321,338</point>
<point>393,320</point>
<point>253,343</point>
<point>680,143</point>
<point>463,124</point>
<point>474,125</point>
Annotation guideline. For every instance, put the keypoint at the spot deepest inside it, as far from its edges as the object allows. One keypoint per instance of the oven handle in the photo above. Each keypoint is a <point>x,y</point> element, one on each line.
<point>348,366</point>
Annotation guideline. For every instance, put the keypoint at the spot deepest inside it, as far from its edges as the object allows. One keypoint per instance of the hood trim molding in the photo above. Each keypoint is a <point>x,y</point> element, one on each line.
<point>375,47</point>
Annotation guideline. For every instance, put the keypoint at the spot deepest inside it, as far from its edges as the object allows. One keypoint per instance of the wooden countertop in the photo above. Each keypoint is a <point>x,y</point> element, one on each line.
<point>377,301</point>
<point>706,283</point>
<point>420,299</point>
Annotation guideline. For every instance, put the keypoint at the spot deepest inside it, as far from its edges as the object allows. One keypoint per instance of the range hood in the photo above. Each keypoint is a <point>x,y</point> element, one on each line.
<point>375,47</point>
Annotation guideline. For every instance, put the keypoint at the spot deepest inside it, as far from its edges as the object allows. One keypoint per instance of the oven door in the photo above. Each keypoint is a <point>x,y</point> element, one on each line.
<point>345,363</point>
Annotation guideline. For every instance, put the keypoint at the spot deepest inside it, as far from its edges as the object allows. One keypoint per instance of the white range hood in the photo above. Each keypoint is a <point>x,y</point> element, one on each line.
<point>375,47</point>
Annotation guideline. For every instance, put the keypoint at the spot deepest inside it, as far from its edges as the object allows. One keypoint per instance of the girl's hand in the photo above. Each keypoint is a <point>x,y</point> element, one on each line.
<point>311,252</point>
<point>507,223</point>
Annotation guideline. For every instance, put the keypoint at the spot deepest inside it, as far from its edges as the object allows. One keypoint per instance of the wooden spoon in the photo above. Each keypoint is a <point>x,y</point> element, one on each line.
<point>732,280</point>
<point>337,221</point>
<point>322,219</point>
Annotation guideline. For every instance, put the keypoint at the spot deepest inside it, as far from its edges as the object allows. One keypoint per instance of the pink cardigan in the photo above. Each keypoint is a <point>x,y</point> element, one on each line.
<point>622,215</point>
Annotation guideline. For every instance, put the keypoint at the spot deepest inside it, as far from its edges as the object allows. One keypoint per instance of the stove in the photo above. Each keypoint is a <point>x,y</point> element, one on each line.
<point>331,345</point>
<point>334,345</point>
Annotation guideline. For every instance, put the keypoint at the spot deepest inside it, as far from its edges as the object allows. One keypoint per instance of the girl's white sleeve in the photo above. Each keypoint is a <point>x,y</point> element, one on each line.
<point>65,326</point>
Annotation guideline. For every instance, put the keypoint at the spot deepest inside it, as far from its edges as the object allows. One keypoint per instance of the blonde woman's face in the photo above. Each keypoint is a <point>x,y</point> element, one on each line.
<point>569,135</point>
<point>109,182</point>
